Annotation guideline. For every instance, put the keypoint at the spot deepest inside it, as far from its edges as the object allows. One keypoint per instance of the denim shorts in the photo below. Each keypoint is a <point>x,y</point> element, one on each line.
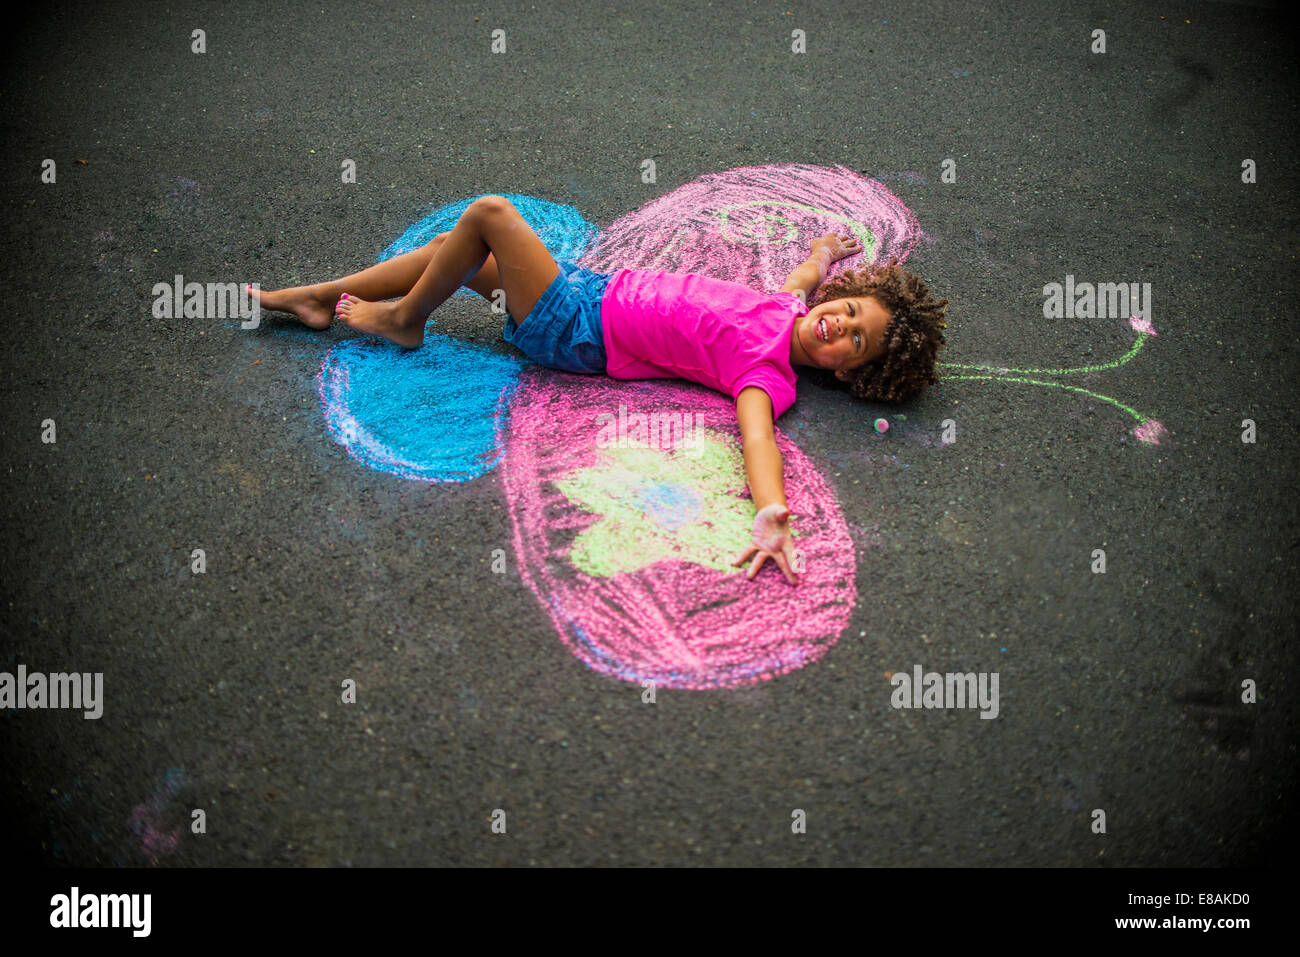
<point>563,331</point>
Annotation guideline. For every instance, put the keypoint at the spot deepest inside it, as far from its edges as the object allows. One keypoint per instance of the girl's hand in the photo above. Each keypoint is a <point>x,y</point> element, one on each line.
<point>838,245</point>
<point>772,540</point>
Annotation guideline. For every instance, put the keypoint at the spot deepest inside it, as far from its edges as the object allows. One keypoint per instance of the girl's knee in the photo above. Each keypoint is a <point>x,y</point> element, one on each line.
<point>492,206</point>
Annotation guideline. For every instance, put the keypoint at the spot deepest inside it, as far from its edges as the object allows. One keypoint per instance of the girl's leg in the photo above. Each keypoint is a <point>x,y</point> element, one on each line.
<point>489,227</point>
<point>314,305</point>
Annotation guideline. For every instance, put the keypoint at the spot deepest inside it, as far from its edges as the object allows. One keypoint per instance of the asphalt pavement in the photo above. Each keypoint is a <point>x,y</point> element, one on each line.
<point>1159,692</point>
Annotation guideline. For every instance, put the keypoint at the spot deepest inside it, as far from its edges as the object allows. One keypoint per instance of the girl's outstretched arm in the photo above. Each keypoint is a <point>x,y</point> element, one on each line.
<point>765,470</point>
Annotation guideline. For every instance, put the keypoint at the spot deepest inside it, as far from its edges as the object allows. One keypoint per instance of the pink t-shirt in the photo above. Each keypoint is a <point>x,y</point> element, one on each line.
<point>725,335</point>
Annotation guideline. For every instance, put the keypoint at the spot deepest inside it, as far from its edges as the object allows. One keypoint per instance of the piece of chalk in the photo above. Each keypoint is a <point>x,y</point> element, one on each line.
<point>882,425</point>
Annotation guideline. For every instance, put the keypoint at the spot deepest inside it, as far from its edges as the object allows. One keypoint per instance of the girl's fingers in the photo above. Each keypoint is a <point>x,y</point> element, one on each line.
<point>743,557</point>
<point>795,559</point>
<point>785,567</point>
<point>758,563</point>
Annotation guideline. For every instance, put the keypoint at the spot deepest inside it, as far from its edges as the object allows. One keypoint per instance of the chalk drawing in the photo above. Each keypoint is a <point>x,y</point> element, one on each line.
<point>156,837</point>
<point>682,504</point>
<point>755,224</point>
<point>433,414</point>
<point>1146,430</point>
<point>186,194</point>
<point>629,549</point>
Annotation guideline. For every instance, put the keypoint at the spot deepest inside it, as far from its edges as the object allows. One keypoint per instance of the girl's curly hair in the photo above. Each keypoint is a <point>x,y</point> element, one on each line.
<point>912,338</point>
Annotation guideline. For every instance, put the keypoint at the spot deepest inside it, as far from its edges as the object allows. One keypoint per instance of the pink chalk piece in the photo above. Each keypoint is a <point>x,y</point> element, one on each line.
<point>623,548</point>
<point>1150,431</point>
<point>1142,325</point>
<point>882,425</point>
<point>755,224</point>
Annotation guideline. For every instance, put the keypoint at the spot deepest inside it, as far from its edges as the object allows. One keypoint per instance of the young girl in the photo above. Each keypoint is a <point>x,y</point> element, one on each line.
<point>874,332</point>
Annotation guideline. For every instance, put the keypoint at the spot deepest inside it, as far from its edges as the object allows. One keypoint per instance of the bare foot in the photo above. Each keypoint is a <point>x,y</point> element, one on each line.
<point>311,304</point>
<point>380,319</point>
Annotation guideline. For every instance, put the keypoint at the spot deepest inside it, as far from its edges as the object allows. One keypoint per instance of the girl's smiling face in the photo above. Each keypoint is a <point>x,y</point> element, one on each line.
<point>841,334</point>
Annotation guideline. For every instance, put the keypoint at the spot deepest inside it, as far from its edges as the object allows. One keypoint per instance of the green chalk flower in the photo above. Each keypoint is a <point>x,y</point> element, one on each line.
<point>688,505</point>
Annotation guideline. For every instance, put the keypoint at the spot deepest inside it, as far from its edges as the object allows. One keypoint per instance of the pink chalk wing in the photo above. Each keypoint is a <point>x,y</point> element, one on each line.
<point>674,622</point>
